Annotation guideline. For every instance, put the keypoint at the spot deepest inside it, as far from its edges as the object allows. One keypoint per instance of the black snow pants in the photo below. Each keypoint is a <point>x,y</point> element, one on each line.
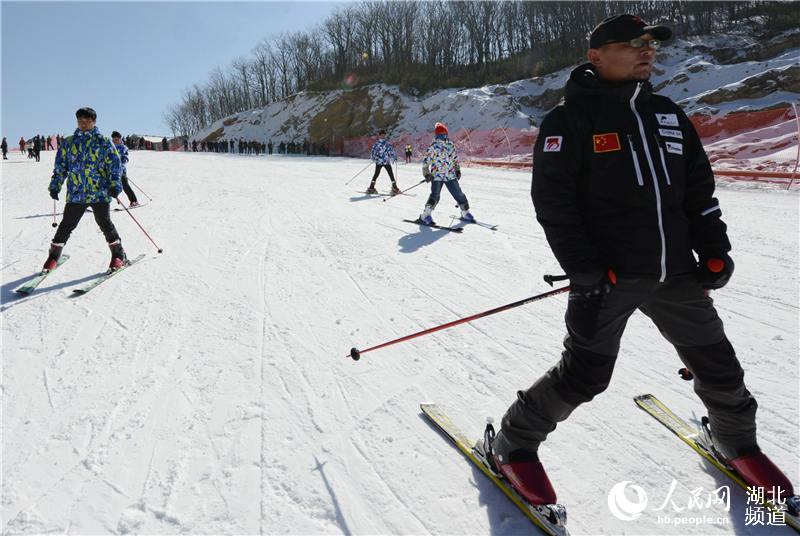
<point>126,187</point>
<point>684,315</point>
<point>72,215</point>
<point>377,172</point>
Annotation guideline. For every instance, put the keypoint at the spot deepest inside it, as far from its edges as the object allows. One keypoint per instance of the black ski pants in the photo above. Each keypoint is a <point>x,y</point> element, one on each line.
<point>378,170</point>
<point>684,315</point>
<point>72,215</point>
<point>126,187</point>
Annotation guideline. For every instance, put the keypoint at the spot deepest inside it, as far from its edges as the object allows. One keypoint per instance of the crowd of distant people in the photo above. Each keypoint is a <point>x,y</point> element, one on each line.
<point>35,145</point>
<point>38,143</point>
<point>253,147</point>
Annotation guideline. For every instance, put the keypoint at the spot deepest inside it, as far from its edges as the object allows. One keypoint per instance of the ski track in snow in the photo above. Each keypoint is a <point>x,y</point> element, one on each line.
<point>207,390</point>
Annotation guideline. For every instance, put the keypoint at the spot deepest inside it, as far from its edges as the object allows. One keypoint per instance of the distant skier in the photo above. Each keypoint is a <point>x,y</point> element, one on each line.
<point>22,144</point>
<point>383,155</point>
<point>90,164</point>
<point>116,137</point>
<point>49,143</point>
<point>5,149</point>
<point>440,167</point>
<point>37,147</point>
<point>164,144</point>
<point>624,192</point>
<point>408,153</point>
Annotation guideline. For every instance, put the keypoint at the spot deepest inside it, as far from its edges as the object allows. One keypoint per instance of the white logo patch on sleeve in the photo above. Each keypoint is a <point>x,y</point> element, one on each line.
<point>674,148</point>
<point>667,120</point>
<point>669,133</point>
<point>552,144</point>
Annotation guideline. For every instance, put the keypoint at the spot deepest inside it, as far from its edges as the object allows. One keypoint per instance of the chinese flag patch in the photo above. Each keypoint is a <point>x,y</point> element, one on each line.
<point>605,143</point>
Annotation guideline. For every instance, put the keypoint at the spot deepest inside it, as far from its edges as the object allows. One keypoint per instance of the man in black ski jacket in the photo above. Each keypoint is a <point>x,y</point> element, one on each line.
<point>625,194</point>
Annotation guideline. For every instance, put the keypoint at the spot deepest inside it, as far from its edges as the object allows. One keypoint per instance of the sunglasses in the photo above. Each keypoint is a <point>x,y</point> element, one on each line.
<point>638,42</point>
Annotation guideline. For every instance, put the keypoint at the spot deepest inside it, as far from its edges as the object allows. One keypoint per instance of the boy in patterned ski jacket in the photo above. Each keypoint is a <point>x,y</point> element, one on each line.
<point>383,155</point>
<point>90,165</point>
<point>122,149</point>
<point>440,168</point>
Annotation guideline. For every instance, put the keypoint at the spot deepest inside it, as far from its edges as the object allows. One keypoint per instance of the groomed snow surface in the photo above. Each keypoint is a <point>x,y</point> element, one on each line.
<point>206,390</point>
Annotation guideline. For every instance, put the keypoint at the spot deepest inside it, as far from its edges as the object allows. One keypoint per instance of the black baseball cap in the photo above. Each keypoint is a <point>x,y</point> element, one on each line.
<point>623,28</point>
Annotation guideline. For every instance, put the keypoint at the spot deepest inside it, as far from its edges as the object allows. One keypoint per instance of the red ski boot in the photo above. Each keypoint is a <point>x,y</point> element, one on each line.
<point>753,466</point>
<point>762,474</point>
<point>524,471</point>
<point>52,257</point>
<point>118,257</point>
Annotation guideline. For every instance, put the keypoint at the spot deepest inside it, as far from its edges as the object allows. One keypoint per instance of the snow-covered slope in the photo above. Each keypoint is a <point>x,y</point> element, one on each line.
<point>206,390</point>
<point>731,84</point>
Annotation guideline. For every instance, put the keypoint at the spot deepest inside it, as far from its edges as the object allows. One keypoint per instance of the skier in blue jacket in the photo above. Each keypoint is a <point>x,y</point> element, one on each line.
<point>383,155</point>
<point>122,149</point>
<point>90,165</point>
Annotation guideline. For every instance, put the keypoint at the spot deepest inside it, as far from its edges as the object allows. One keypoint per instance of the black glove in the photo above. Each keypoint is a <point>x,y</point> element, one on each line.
<point>714,271</point>
<point>587,292</point>
<point>114,191</point>
<point>591,284</point>
<point>458,174</point>
<point>428,177</point>
<point>54,194</point>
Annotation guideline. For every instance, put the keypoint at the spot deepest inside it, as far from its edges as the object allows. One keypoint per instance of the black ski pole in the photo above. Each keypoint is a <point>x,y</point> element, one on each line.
<point>355,353</point>
<point>54,214</point>
<point>137,186</point>
<point>140,225</point>
<point>385,199</point>
<point>357,174</point>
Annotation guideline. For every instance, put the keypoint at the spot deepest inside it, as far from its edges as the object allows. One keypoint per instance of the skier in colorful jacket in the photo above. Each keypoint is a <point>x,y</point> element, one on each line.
<point>625,194</point>
<point>440,167</point>
<point>90,165</point>
<point>383,155</point>
<point>122,149</point>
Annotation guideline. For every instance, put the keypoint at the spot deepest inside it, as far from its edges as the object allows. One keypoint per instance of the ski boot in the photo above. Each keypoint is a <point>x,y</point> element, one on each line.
<point>395,190</point>
<point>526,477</point>
<point>371,190</point>
<point>524,471</point>
<point>134,204</point>
<point>426,216</point>
<point>755,468</point>
<point>466,215</point>
<point>52,257</point>
<point>118,257</point>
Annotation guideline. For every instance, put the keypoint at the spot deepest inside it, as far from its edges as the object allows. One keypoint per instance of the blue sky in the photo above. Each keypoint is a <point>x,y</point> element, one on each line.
<point>128,60</point>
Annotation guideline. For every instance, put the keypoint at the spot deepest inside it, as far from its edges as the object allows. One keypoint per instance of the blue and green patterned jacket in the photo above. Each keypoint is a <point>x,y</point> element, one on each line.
<point>91,166</point>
